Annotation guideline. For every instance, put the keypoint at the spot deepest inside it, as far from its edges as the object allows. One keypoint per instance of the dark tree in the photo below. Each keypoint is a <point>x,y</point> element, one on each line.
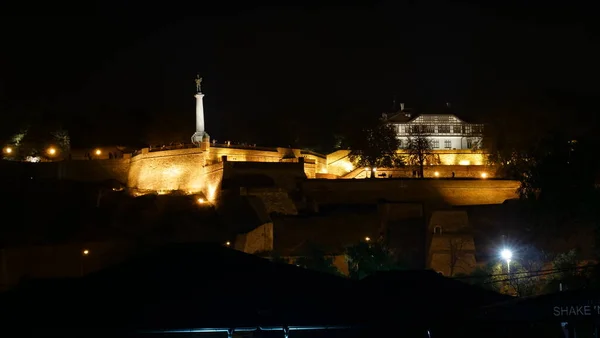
<point>366,258</point>
<point>375,145</point>
<point>318,260</point>
<point>419,148</point>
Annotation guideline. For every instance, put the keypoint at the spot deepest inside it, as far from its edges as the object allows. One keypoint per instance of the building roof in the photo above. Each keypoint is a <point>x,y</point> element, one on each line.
<point>422,294</point>
<point>402,117</point>
<point>184,287</point>
<point>557,307</point>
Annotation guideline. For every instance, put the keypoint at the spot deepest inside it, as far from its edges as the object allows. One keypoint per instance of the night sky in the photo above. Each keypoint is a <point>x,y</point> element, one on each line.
<point>292,75</point>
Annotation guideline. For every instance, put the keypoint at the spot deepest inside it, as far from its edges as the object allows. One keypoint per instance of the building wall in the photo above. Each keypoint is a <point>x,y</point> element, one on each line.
<point>456,142</point>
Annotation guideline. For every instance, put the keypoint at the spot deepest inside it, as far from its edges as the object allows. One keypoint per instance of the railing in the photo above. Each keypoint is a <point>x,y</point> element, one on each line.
<point>310,152</point>
<point>172,147</point>
<point>242,146</point>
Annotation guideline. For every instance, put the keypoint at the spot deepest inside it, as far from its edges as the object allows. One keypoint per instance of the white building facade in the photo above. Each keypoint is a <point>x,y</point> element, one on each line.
<point>446,131</point>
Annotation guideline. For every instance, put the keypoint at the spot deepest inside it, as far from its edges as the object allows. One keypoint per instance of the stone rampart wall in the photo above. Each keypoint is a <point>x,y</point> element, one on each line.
<point>234,154</point>
<point>285,175</point>
<point>257,240</point>
<point>442,171</point>
<point>89,171</point>
<point>446,191</point>
<point>275,200</point>
<point>180,169</point>
<point>338,162</point>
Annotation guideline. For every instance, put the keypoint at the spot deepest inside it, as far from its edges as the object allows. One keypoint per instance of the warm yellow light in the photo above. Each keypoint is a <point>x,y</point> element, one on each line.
<point>348,166</point>
<point>51,151</point>
<point>464,162</point>
<point>8,150</point>
<point>98,152</point>
<point>367,169</point>
<point>374,169</point>
<point>367,239</point>
<point>201,200</point>
<point>86,252</point>
<point>228,243</point>
<point>436,174</point>
<point>483,175</point>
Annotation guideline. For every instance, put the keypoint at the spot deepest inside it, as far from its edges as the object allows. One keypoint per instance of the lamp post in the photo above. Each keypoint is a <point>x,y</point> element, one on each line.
<point>507,256</point>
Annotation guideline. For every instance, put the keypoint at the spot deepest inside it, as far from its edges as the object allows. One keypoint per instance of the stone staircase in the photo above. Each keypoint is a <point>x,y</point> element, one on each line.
<point>356,173</point>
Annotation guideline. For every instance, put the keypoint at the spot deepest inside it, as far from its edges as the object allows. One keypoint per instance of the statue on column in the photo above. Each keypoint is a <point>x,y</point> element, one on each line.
<point>198,83</point>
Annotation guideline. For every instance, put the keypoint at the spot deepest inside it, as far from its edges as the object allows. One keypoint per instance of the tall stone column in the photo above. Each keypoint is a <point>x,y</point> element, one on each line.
<point>200,136</point>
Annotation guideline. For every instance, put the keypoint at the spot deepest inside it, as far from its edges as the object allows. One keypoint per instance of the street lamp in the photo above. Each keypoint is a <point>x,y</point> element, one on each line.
<point>506,255</point>
<point>51,151</point>
<point>8,150</point>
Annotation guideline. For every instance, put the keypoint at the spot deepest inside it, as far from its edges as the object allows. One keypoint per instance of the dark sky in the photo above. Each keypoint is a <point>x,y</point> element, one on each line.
<point>275,75</point>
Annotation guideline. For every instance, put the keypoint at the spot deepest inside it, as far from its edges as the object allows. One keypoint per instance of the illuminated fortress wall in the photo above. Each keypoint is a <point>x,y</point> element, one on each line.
<point>195,170</point>
<point>464,163</point>
<point>180,169</point>
<point>314,162</point>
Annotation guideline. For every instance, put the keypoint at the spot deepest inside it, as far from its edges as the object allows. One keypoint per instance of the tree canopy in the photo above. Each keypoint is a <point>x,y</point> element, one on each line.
<point>366,258</point>
<point>375,145</point>
<point>419,148</point>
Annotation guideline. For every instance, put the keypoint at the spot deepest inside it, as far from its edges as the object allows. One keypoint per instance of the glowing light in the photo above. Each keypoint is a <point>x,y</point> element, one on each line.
<point>374,169</point>
<point>464,162</point>
<point>228,243</point>
<point>8,150</point>
<point>367,169</point>
<point>211,195</point>
<point>483,175</point>
<point>348,166</point>
<point>367,239</point>
<point>98,151</point>
<point>437,174</point>
<point>86,252</point>
<point>506,254</point>
<point>51,151</point>
<point>201,200</point>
